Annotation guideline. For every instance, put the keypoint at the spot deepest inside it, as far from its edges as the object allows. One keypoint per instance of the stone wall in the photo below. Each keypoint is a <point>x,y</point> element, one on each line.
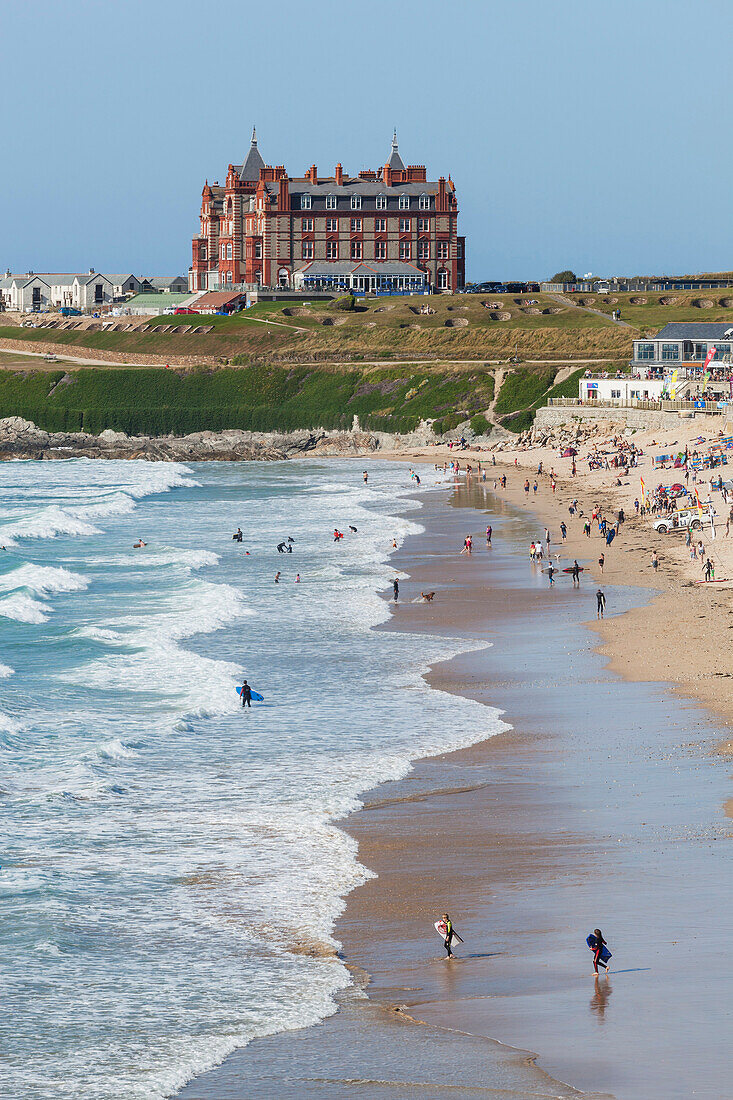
<point>632,418</point>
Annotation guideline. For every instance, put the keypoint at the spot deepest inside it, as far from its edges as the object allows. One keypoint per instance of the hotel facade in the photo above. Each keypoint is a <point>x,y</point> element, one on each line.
<point>389,230</point>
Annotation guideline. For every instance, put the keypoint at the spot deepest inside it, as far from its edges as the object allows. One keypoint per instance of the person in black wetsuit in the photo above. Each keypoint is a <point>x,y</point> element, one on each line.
<point>237,536</point>
<point>396,589</point>
<point>246,694</point>
<point>601,603</point>
<point>576,573</point>
<point>450,934</point>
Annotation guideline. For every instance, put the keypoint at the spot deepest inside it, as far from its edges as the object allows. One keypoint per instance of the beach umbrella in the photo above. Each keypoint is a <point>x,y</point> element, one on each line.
<point>677,488</point>
<point>569,452</point>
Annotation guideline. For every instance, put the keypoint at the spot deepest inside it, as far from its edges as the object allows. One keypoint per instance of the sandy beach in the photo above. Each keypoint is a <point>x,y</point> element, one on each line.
<point>603,804</point>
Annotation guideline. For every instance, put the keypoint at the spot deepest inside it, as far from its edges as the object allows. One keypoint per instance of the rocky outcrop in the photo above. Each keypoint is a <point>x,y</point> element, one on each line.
<point>21,439</point>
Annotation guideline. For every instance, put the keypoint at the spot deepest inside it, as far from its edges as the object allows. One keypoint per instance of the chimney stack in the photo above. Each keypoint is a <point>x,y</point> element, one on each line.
<point>339,175</point>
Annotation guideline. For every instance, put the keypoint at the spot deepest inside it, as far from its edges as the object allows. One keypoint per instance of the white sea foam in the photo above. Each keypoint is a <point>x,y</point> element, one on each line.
<point>6,671</point>
<point>24,609</point>
<point>115,750</point>
<point>42,579</point>
<point>45,524</point>
<point>9,725</point>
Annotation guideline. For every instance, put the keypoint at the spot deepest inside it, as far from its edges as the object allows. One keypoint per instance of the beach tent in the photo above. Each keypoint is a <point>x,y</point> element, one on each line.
<point>569,452</point>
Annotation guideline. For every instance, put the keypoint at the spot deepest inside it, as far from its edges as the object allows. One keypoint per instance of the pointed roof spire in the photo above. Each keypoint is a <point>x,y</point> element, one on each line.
<point>253,161</point>
<point>395,161</point>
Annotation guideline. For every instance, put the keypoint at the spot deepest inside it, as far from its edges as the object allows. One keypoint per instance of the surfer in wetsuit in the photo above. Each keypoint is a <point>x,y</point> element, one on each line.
<point>237,536</point>
<point>601,603</point>
<point>396,589</point>
<point>246,694</point>
<point>596,947</point>
<point>576,573</point>
<point>450,933</point>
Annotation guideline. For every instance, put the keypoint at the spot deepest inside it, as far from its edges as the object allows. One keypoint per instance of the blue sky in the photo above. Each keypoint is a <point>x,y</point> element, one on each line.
<point>591,135</point>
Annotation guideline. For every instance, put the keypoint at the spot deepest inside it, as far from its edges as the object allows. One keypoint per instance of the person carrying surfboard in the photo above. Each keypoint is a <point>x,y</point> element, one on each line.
<point>450,933</point>
<point>599,947</point>
<point>246,694</point>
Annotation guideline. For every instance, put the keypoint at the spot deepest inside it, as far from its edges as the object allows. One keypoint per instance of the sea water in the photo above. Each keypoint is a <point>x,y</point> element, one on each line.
<point>171,865</point>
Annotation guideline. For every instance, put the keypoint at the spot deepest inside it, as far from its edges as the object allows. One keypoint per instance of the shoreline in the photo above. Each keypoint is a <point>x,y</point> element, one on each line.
<point>359,927</point>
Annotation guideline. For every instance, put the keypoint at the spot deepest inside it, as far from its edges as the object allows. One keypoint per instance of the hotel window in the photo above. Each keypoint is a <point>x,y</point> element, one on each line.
<point>229,252</point>
<point>258,250</point>
<point>202,252</point>
<point>307,251</point>
<point>331,225</point>
<point>404,250</point>
<point>306,224</point>
<point>615,393</point>
<point>701,351</point>
<point>229,276</point>
<point>670,352</point>
<point>356,225</point>
<point>356,202</point>
<point>404,202</point>
<point>425,202</point>
<point>223,252</point>
<point>423,250</point>
<point>404,225</point>
<point>380,225</point>
<point>380,250</point>
<point>423,224</point>
<point>381,202</point>
<point>305,202</point>
<point>645,351</point>
<point>330,202</point>
<point>332,250</point>
<point>442,250</point>
<point>356,250</point>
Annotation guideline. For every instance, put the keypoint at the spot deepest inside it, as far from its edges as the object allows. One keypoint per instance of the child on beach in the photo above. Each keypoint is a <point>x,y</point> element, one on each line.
<point>597,944</point>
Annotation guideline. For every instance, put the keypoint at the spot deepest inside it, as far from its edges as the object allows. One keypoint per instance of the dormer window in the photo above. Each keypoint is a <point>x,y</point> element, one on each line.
<point>305,202</point>
<point>381,202</point>
<point>425,202</point>
<point>356,202</point>
<point>404,202</point>
<point>330,202</point>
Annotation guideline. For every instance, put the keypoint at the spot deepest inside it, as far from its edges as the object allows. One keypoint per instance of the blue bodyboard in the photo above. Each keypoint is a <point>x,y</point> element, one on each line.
<point>605,954</point>
<point>256,697</point>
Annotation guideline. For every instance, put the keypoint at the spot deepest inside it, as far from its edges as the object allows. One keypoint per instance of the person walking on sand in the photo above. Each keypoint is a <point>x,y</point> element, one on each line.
<point>600,604</point>
<point>597,945</point>
<point>396,589</point>
<point>576,574</point>
<point>601,561</point>
<point>655,561</point>
<point>488,535</point>
<point>526,488</point>
<point>563,531</point>
<point>450,934</point>
<point>709,570</point>
<point>551,573</point>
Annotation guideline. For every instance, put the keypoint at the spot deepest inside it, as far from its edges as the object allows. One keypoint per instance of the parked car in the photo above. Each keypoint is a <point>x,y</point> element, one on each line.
<point>686,517</point>
<point>70,311</point>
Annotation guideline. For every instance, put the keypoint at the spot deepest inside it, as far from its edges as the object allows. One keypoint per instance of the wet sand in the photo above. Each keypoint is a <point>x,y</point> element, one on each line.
<point>604,804</point>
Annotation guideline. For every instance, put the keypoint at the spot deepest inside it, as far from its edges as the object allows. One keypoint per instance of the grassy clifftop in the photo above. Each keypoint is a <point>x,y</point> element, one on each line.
<point>159,402</point>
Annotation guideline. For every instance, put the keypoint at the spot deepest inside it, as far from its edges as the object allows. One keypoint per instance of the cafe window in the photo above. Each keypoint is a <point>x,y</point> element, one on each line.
<point>644,351</point>
<point>670,352</point>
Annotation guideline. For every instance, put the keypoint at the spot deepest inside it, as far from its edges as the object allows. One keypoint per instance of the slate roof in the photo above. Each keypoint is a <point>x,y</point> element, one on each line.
<point>355,267</point>
<point>354,186</point>
<point>395,160</point>
<point>695,330</point>
<point>250,170</point>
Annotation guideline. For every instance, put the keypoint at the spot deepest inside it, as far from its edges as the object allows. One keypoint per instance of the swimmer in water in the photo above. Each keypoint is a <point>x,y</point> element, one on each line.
<point>277,577</point>
<point>139,544</point>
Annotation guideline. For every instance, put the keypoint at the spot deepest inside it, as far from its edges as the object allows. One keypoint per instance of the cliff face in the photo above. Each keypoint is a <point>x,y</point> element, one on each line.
<point>21,439</point>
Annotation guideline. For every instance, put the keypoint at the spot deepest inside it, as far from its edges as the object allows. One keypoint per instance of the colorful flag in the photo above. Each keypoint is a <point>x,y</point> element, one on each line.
<point>673,384</point>
<point>709,357</point>
<point>641,479</point>
<point>699,505</point>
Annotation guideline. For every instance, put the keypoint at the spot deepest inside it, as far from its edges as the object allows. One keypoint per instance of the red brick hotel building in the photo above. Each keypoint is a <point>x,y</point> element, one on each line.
<point>389,230</point>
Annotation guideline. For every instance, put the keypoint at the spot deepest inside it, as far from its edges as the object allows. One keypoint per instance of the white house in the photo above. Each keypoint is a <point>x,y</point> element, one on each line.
<point>51,290</point>
<point>621,391</point>
<point>124,285</point>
